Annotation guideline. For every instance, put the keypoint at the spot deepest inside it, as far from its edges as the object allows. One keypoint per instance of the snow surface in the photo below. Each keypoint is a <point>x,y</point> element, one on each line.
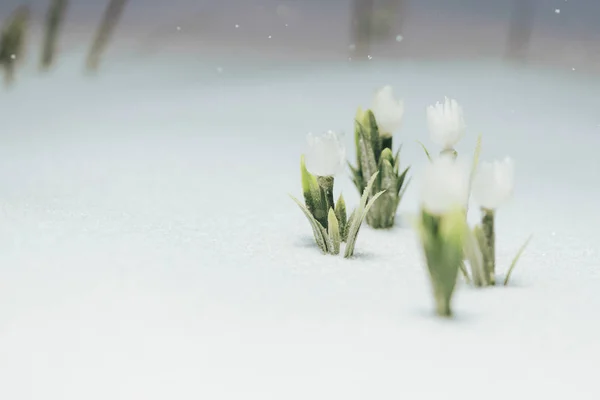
<point>148,249</point>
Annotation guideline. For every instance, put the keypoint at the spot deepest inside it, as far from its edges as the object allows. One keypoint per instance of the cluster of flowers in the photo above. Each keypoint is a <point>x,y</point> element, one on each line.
<point>448,243</point>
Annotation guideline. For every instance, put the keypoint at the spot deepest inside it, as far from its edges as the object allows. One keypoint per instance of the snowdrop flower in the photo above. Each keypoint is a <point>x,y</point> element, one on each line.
<point>388,111</point>
<point>445,186</point>
<point>493,185</point>
<point>446,123</point>
<point>326,155</point>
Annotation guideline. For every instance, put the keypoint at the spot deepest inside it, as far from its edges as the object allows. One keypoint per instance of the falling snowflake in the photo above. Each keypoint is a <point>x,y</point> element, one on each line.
<point>369,57</point>
<point>178,28</point>
<point>237,26</point>
<point>219,69</point>
<point>399,38</point>
<point>13,56</point>
<point>270,36</point>
<point>557,11</point>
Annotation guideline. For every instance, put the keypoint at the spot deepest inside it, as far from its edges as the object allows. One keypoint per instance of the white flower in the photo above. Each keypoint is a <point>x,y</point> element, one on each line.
<point>445,185</point>
<point>446,123</point>
<point>388,111</point>
<point>326,155</point>
<point>494,183</point>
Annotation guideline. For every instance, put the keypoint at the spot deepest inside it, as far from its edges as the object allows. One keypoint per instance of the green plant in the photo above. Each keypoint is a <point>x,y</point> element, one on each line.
<point>329,225</point>
<point>442,238</point>
<point>374,155</point>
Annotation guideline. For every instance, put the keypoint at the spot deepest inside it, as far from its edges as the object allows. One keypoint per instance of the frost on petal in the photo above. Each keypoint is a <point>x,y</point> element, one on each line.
<point>326,154</point>
<point>445,186</point>
<point>494,183</point>
<point>388,111</point>
<point>446,123</point>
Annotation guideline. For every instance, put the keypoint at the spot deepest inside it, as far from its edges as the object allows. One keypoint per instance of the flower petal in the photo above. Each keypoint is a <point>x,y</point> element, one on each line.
<point>326,154</point>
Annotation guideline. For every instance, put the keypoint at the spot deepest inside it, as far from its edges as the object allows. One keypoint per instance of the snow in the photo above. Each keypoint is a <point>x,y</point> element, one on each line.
<point>148,248</point>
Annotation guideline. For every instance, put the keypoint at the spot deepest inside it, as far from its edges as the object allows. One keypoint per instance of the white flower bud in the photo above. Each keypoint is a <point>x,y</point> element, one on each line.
<point>326,155</point>
<point>388,111</point>
<point>446,123</point>
<point>494,183</point>
<point>445,186</point>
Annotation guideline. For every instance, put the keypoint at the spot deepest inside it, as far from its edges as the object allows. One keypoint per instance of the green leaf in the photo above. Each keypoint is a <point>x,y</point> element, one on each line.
<point>465,273</point>
<point>453,226</point>
<point>475,164</point>
<point>359,215</point>
<point>382,215</point>
<point>357,178</point>
<point>387,178</point>
<point>386,154</point>
<point>334,232</point>
<point>317,228</point>
<point>401,179</point>
<point>340,213</point>
<point>327,238</point>
<point>442,238</point>
<point>476,156</point>
<point>368,163</point>
<point>357,135</point>
<point>426,151</point>
<point>475,257</point>
<point>371,125</point>
<point>514,262</point>
<point>356,224</point>
<point>350,220</point>
<point>397,161</point>
<point>314,197</point>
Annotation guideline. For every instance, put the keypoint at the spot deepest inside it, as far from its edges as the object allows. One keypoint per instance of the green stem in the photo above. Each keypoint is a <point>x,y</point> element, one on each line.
<point>487,223</point>
<point>450,152</point>
<point>326,184</point>
<point>386,143</point>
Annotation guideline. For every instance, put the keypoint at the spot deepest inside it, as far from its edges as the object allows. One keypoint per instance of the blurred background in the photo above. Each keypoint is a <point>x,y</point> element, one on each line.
<point>563,34</point>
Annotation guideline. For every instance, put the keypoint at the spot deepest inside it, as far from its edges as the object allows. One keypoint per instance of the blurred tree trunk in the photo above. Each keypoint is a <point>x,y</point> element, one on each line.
<point>376,21</point>
<point>54,21</point>
<point>12,42</point>
<point>519,33</point>
<point>113,13</point>
<point>362,29</point>
<point>401,9</point>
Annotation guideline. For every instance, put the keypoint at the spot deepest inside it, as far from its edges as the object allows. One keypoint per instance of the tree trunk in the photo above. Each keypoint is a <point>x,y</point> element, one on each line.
<point>519,33</point>
<point>109,22</point>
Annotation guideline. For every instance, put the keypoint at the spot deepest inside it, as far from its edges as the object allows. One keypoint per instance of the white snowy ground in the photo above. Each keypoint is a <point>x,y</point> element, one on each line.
<point>148,249</point>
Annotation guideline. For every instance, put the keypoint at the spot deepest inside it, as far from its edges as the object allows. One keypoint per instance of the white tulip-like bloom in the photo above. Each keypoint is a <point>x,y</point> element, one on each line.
<point>326,155</point>
<point>494,183</point>
<point>445,185</point>
<point>446,123</point>
<point>388,111</point>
